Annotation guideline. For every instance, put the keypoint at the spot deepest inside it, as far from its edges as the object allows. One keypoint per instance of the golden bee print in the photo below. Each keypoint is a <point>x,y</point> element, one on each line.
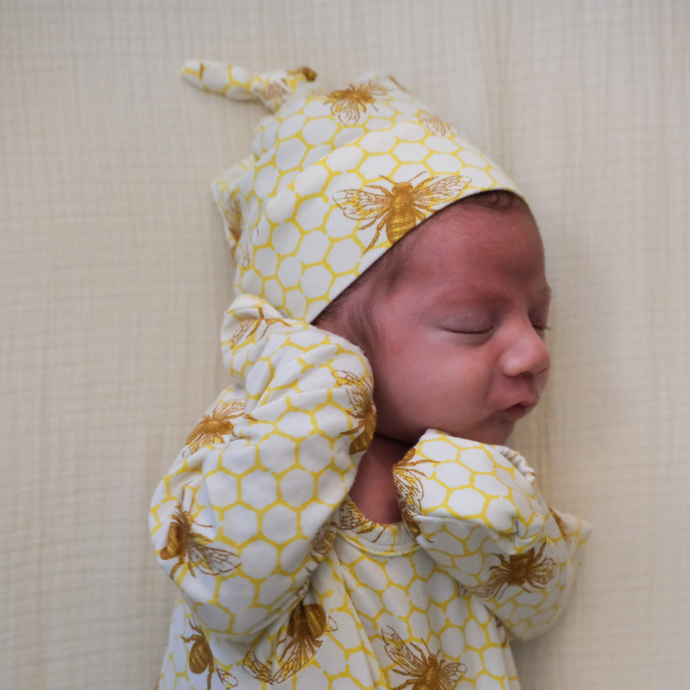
<point>249,328</point>
<point>280,87</point>
<point>567,537</point>
<point>232,213</point>
<point>201,658</point>
<point>306,72</point>
<point>529,568</point>
<point>351,519</point>
<point>261,671</point>
<point>305,630</point>
<point>213,427</point>
<point>348,105</point>
<point>400,208</point>
<point>243,257</point>
<point>192,549</point>
<point>397,83</point>
<point>275,89</point>
<point>424,670</point>
<point>407,477</point>
<point>307,625</point>
<point>407,480</point>
<point>359,391</point>
<point>436,125</point>
<point>323,540</point>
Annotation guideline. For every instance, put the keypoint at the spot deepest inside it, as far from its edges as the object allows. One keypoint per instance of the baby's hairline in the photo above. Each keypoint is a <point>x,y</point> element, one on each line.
<point>383,276</point>
<point>385,271</point>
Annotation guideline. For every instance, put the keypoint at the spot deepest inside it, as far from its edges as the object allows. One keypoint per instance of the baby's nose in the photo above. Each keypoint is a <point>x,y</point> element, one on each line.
<point>526,353</point>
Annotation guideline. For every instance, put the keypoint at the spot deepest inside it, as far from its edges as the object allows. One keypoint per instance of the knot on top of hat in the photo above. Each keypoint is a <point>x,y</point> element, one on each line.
<point>270,88</point>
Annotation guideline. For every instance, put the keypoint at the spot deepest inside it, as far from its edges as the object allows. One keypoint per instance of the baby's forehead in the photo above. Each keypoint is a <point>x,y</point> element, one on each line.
<point>465,233</point>
<point>468,247</point>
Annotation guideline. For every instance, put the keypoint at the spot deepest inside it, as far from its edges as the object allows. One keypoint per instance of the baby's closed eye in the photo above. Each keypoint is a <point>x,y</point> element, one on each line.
<point>470,324</point>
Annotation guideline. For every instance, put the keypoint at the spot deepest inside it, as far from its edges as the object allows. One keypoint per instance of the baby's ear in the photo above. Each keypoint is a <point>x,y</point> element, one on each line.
<point>270,88</point>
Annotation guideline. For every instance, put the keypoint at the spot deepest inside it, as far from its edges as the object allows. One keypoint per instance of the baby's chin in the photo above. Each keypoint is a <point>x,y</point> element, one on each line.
<point>493,433</point>
<point>493,438</point>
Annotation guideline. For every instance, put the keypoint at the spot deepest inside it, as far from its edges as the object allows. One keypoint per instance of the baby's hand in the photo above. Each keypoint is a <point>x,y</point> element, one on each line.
<point>472,507</point>
<point>468,485</point>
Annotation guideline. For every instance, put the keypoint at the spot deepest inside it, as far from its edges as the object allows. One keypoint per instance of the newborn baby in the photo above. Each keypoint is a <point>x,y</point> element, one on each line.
<point>346,514</point>
<point>452,321</point>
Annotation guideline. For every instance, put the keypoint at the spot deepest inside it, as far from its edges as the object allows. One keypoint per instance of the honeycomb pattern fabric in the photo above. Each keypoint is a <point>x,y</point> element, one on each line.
<point>284,583</point>
<point>334,179</point>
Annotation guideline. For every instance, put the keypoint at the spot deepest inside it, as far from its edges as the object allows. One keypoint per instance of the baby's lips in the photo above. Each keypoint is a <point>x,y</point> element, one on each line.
<point>518,411</point>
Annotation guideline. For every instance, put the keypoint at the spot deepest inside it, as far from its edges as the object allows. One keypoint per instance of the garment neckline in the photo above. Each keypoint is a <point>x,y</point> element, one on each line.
<point>373,536</point>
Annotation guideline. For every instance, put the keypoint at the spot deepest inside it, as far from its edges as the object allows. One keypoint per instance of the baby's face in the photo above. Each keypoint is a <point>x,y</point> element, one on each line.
<point>460,343</point>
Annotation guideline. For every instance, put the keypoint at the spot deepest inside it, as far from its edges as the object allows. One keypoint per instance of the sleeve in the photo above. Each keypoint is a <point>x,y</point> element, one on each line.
<point>243,516</point>
<point>470,507</point>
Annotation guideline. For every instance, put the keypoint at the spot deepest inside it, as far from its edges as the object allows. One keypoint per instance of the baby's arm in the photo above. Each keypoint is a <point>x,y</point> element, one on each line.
<point>242,519</point>
<point>482,521</point>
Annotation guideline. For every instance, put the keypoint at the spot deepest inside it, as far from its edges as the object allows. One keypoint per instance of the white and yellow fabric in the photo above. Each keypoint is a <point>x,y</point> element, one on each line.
<point>334,179</point>
<point>282,581</point>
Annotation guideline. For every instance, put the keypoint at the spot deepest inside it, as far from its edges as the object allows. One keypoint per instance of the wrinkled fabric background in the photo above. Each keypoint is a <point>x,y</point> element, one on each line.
<point>114,276</point>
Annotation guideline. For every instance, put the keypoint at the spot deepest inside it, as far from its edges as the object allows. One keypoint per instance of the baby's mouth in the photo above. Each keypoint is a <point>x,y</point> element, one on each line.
<point>517,411</point>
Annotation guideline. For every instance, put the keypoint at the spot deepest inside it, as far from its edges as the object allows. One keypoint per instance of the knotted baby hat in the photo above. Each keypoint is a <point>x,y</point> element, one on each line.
<point>333,181</point>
